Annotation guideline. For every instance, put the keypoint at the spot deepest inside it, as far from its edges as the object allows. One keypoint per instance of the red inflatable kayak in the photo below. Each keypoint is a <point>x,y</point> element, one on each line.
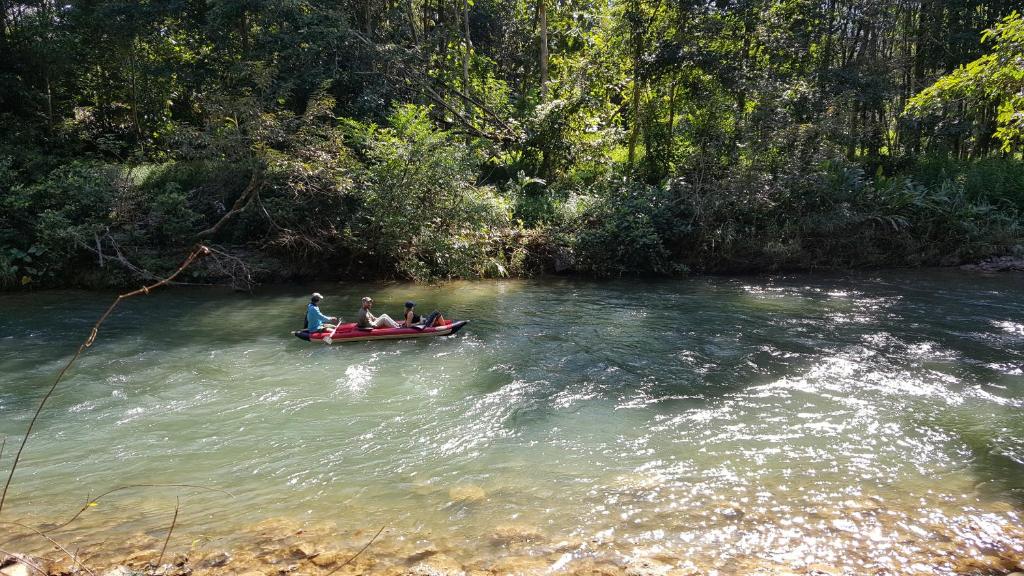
<point>350,333</point>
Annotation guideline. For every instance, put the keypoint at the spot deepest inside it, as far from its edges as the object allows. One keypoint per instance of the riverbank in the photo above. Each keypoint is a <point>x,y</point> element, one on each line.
<point>253,270</point>
<point>1004,264</point>
<point>862,536</point>
<point>94,225</point>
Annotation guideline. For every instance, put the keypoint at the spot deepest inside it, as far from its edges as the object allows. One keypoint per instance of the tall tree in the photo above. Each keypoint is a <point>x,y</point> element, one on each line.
<point>542,21</point>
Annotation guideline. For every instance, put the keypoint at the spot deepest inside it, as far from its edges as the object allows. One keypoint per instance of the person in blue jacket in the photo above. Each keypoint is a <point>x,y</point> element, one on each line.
<point>316,320</point>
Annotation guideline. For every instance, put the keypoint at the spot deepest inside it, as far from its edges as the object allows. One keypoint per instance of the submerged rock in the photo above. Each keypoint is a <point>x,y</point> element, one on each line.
<point>520,565</point>
<point>303,550</point>
<point>437,565</point>
<point>823,570</point>
<point>422,554</point>
<point>647,567</point>
<point>329,558</point>
<point>214,560</point>
<point>862,504</point>
<point>590,567</point>
<point>986,564</point>
<point>467,493</point>
<point>637,483</point>
<point>516,534</point>
<point>142,558</point>
<point>276,529</point>
<point>122,571</point>
<point>732,512</point>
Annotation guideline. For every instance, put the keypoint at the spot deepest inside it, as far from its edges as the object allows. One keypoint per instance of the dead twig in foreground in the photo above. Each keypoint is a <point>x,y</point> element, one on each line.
<point>74,559</point>
<point>160,560</point>
<point>356,555</point>
<point>24,561</point>
<point>196,253</point>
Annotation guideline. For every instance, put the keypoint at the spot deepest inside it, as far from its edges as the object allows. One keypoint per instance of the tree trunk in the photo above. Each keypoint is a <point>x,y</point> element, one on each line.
<point>851,146</point>
<point>671,143</point>
<point>49,100</point>
<point>634,129</point>
<point>542,18</point>
<point>636,36</point>
<point>4,26</point>
<point>465,60</point>
<point>243,33</point>
<point>133,68</point>
<point>410,13</point>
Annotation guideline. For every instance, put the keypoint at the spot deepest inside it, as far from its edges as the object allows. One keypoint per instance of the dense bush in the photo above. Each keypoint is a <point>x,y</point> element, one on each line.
<point>626,230</point>
<point>422,214</point>
<point>428,140</point>
<point>820,214</point>
<point>328,198</point>
<point>46,222</point>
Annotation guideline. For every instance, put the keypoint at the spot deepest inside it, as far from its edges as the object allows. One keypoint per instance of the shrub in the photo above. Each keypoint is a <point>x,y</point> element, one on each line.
<point>627,230</point>
<point>422,214</point>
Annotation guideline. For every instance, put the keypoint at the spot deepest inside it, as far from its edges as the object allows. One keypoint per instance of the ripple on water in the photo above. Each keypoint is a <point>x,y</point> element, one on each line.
<point>855,425</point>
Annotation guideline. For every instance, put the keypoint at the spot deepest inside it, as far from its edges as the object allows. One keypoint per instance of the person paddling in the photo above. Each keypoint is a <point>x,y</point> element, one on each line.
<point>315,320</point>
<point>365,319</point>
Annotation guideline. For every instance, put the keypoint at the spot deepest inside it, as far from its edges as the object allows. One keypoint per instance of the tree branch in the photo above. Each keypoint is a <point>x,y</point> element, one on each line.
<point>243,201</point>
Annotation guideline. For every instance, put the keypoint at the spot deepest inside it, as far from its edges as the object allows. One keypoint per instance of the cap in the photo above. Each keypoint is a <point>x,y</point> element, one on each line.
<point>317,296</point>
<point>410,304</point>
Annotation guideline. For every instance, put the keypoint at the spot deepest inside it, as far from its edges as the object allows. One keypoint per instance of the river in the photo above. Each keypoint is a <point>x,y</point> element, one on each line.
<point>864,422</point>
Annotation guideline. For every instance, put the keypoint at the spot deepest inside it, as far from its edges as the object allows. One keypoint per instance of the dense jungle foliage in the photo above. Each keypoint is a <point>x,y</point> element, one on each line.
<point>427,139</point>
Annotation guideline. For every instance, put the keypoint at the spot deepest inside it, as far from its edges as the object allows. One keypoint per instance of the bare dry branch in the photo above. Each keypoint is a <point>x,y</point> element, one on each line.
<point>232,267</point>
<point>25,561</point>
<point>74,559</point>
<point>356,555</point>
<point>243,201</point>
<point>177,506</point>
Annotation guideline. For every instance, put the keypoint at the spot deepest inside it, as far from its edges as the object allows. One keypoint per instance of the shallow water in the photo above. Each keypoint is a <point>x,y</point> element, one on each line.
<point>866,422</point>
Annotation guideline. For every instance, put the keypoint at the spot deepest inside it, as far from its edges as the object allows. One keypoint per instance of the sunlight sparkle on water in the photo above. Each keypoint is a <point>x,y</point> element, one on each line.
<point>864,424</point>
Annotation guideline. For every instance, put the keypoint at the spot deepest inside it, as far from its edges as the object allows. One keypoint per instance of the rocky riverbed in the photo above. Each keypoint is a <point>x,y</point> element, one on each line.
<point>860,537</point>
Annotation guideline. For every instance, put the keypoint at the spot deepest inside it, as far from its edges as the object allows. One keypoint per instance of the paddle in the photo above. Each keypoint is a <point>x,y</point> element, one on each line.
<point>328,339</point>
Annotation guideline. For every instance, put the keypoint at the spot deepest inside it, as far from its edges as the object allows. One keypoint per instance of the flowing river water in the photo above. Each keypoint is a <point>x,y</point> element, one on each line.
<point>858,423</point>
